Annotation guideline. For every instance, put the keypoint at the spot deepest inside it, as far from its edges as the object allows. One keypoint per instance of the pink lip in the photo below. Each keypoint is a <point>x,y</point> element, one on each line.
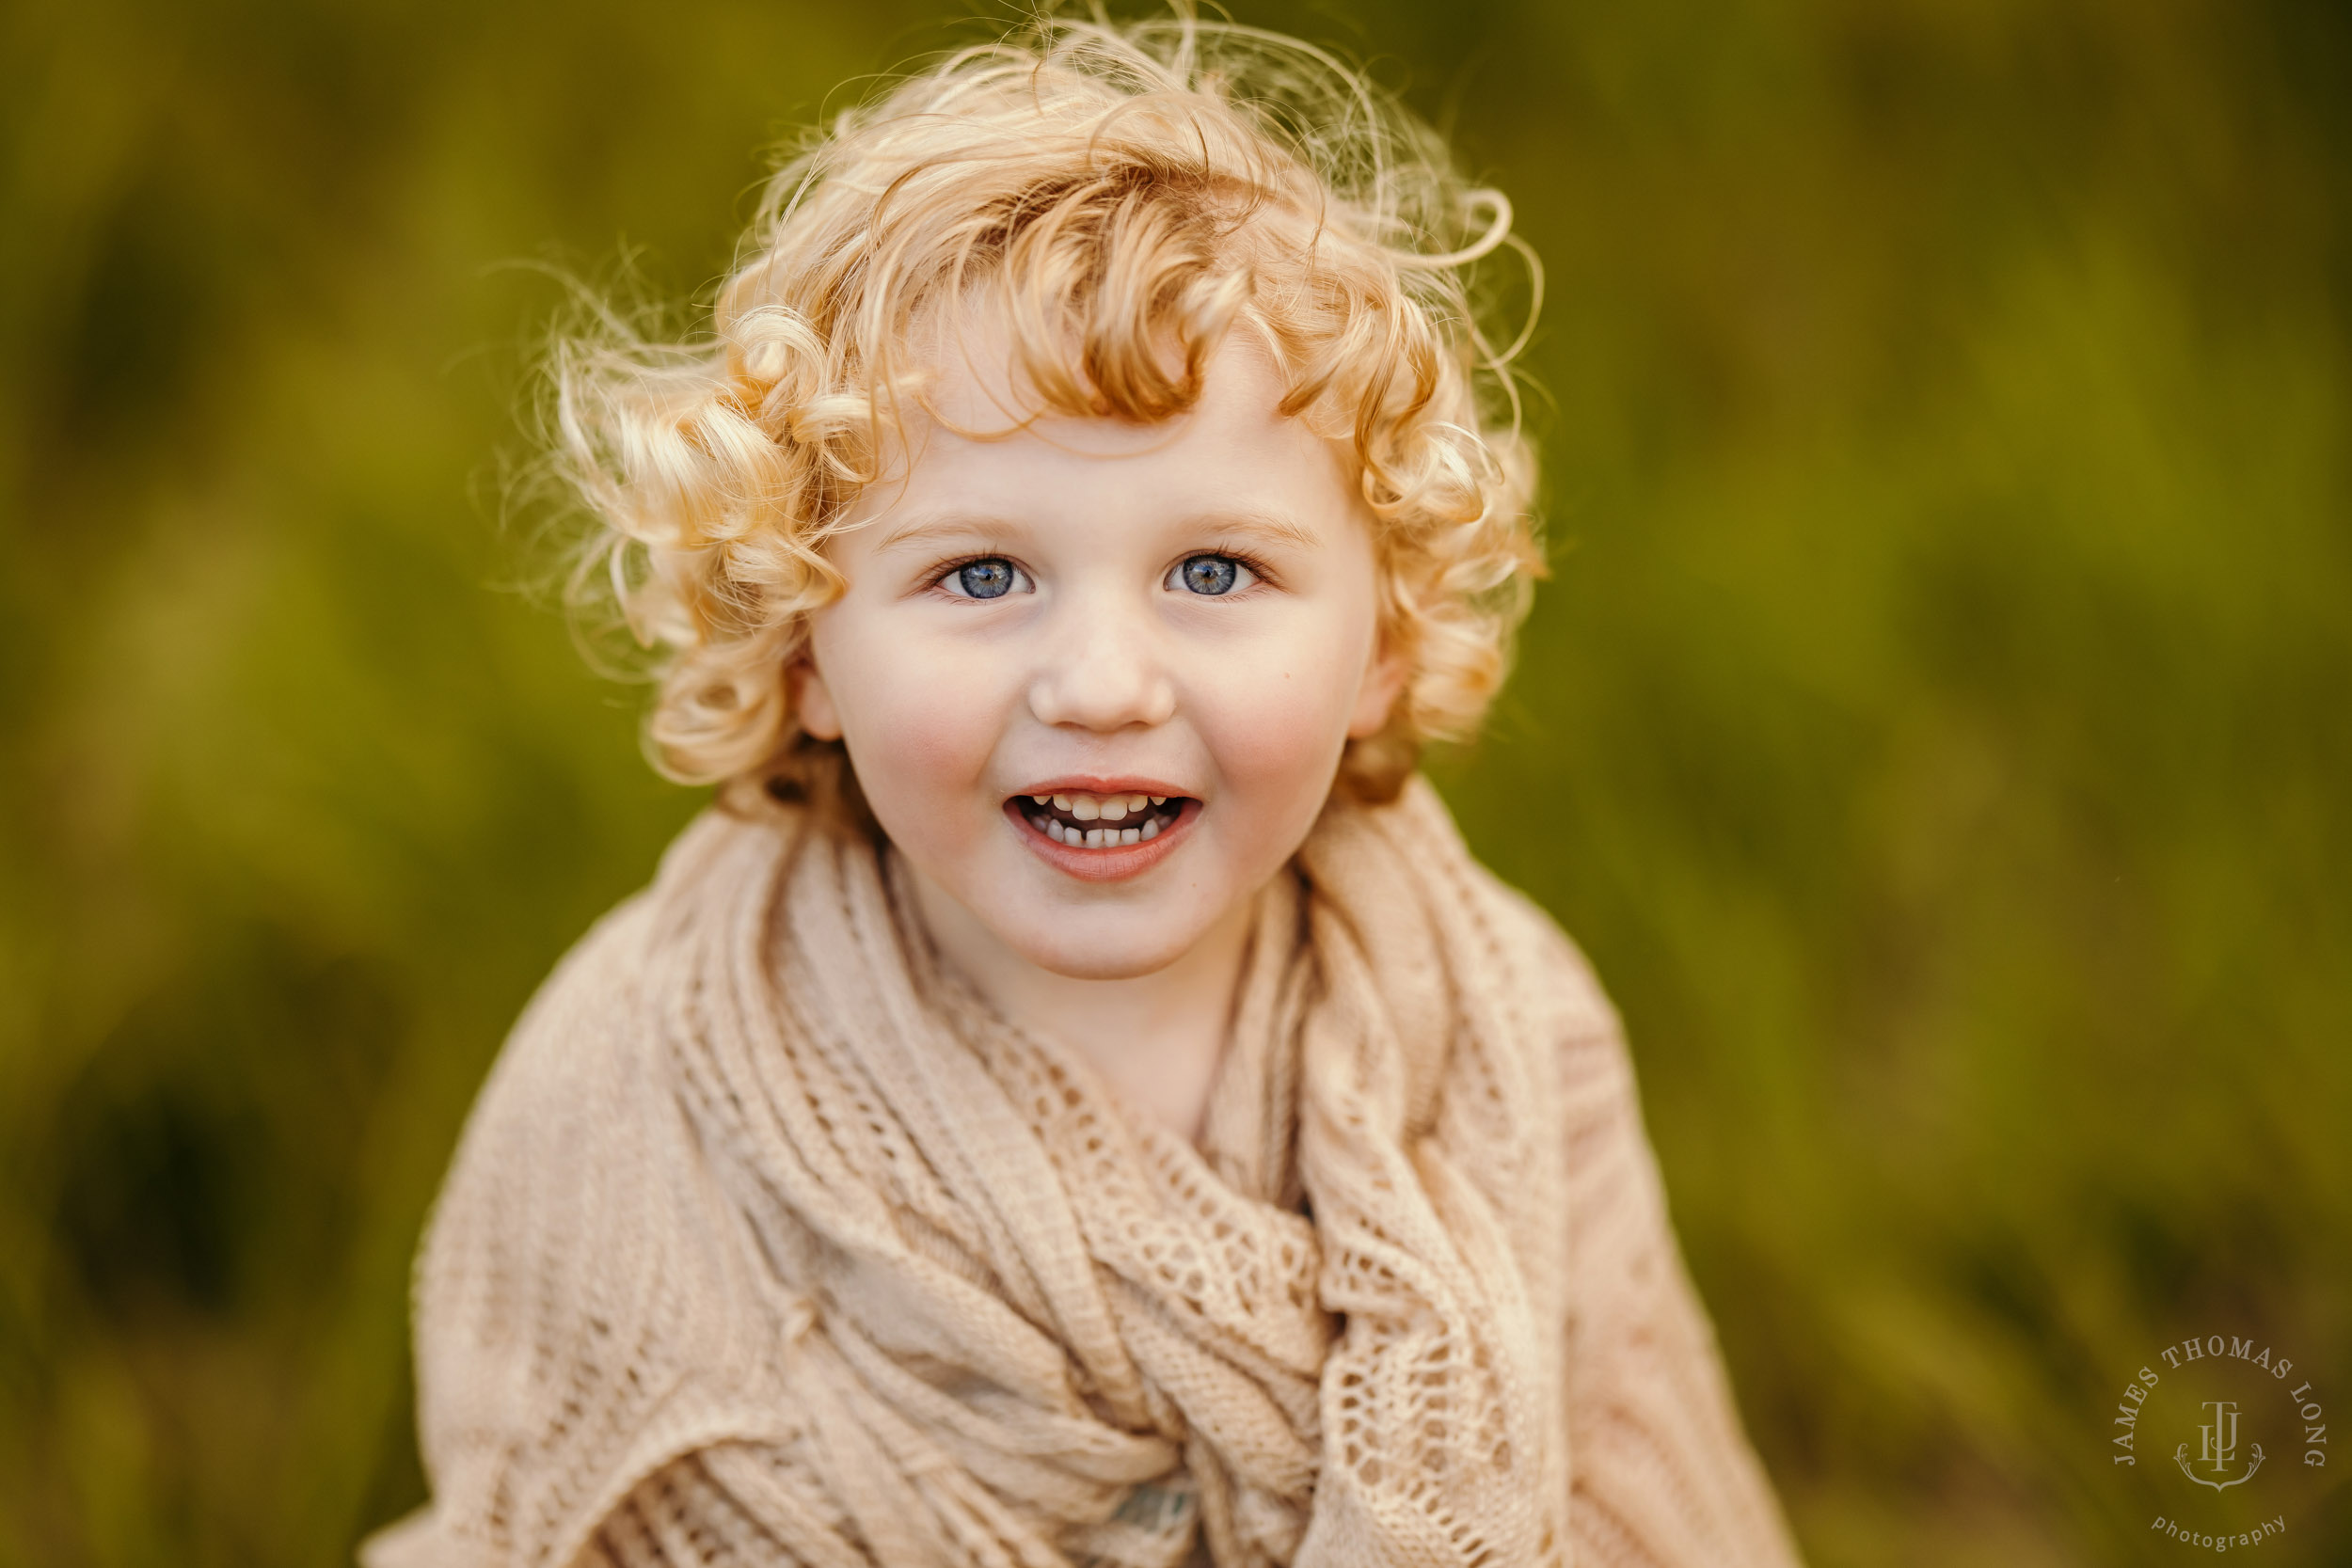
<point>1106,865</point>
<point>1101,784</point>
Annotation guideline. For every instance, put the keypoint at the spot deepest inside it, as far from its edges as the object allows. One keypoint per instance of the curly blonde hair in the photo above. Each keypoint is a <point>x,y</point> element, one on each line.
<point>1124,197</point>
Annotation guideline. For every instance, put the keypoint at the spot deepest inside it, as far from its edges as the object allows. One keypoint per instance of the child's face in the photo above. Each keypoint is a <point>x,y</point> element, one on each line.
<point>1104,614</point>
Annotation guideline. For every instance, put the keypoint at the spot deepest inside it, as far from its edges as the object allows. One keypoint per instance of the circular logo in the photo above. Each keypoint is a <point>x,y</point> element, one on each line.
<point>2223,1439</point>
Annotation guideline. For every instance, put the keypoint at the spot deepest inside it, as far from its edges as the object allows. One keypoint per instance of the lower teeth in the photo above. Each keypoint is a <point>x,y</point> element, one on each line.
<point>1097,838</point>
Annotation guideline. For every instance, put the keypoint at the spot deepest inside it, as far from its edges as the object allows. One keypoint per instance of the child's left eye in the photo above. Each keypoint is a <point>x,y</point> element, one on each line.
<point>1210,574</point>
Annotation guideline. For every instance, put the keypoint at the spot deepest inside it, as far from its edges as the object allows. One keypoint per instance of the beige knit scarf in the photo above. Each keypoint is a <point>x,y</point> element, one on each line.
<point>765,1211</point>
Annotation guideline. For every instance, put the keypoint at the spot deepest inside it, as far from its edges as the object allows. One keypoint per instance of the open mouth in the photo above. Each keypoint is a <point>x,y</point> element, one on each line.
<point>1089,821</point>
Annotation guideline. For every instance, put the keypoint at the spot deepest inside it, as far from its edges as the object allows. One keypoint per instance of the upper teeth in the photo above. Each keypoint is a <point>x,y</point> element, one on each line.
<point>1109,808</point>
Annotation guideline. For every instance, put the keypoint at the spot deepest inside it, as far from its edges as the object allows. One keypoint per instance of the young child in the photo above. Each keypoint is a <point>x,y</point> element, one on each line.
<point>1073,1099</point>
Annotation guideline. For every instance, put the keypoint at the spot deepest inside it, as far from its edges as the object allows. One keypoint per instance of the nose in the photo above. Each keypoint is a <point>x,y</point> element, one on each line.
<point>1104,671</point>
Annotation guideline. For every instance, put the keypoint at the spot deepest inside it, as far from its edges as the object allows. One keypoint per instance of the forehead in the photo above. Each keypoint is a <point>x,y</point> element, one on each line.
<point>978,445</point>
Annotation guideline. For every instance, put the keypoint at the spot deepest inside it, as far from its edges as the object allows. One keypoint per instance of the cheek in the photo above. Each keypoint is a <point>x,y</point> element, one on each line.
<point>920,727</point>
<point>1276,724</point>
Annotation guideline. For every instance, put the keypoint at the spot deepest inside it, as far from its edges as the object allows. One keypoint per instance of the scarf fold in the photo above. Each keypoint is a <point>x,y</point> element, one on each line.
<point>759,1182</point>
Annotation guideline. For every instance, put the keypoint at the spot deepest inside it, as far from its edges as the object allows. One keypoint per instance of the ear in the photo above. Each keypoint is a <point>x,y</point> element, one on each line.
<point>1375,698</point>
<point>812,700</point>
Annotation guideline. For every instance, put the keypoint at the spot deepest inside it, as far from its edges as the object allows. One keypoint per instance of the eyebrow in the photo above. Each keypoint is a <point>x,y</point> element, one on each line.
<point>1273,528</point>
<point>921,529</point>
<point>1261,524</point>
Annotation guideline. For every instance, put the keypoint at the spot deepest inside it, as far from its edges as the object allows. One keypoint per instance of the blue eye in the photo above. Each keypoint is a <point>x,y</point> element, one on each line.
<point>1210,574</point>
<point>991,579</point>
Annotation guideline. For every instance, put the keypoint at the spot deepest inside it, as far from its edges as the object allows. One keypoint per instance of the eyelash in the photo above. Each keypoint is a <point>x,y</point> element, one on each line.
<point>939,577</point>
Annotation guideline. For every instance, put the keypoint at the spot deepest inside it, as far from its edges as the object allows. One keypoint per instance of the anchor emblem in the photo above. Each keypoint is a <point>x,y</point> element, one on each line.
<point>2221,1446</point>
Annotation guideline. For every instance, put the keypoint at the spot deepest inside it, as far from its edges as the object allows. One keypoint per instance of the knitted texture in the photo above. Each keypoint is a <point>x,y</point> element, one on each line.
<point>770,1243</point>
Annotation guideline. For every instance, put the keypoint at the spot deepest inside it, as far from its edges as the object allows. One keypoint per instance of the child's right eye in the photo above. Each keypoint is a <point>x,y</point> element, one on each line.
<point>989,578</point>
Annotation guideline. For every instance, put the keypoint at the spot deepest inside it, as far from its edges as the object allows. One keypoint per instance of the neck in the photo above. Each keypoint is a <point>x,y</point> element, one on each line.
<point>1156,1038</point>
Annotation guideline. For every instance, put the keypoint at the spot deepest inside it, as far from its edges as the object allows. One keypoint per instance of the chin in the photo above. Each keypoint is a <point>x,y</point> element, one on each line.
<point>1100,954</point>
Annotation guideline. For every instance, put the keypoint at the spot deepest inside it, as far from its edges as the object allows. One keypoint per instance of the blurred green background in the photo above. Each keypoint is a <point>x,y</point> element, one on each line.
<point>1939,728</point>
